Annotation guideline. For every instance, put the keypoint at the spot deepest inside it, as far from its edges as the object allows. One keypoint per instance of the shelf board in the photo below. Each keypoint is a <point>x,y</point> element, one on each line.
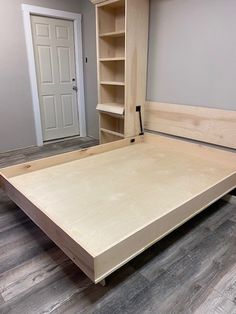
<point>114,4</point>
<point>113,34</point>
<point>112,59</point>
<point>112,132</point>
<point>112,83</point>
<point>114,108</point>
<point>97,1</point>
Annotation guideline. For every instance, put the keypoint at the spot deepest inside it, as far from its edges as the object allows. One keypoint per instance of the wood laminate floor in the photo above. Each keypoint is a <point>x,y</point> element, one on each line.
<point>193,270</point>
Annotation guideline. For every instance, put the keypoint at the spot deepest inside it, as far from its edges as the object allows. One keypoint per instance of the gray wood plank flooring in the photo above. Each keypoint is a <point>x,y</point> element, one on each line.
<point>193,270</point>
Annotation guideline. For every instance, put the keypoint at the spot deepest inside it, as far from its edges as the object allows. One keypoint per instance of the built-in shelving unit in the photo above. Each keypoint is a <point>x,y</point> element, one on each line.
<point>122,33</point>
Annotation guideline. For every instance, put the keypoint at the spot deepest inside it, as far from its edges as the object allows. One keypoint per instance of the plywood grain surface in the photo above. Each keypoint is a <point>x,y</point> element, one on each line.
<point>131,187</point>
<point>209,125</point>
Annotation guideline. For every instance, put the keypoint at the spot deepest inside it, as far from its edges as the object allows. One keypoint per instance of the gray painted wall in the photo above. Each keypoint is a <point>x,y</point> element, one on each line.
<point>192,52</point>
<point>16,111</point>
<point>192,60</point>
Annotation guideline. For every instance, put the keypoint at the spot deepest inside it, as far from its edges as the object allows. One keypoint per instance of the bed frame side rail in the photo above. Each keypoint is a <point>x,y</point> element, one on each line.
<point>73,250</point>
<point>35,165</point>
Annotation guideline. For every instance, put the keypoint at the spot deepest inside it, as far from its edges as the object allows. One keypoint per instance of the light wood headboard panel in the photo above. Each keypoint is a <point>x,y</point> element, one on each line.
<point>199,123</point>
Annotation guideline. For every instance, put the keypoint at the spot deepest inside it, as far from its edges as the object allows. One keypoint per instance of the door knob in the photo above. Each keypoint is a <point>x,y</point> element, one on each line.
<point>75,88</point>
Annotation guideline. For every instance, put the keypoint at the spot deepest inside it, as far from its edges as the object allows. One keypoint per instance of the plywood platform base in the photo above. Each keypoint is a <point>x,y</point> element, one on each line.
<point>141,189</point>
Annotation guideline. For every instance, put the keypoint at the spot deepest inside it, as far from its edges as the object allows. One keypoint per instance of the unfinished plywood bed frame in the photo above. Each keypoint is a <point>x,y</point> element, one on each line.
<point>106,204</point>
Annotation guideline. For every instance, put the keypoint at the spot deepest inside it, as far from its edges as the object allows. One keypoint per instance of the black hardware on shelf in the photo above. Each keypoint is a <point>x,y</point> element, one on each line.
<point>138,109</point>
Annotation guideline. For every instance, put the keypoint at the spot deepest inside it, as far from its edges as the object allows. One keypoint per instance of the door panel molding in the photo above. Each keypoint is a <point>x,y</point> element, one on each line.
<point>27,10</point>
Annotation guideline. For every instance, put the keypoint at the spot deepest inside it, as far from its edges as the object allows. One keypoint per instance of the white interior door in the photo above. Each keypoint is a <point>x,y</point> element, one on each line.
<point>54,50</point>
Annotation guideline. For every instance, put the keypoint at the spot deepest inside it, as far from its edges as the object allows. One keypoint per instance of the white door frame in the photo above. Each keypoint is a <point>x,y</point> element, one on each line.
<point>27,10</point>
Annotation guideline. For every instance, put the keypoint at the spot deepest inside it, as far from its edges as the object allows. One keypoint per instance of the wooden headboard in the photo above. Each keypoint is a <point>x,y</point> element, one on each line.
<point>209,125</point>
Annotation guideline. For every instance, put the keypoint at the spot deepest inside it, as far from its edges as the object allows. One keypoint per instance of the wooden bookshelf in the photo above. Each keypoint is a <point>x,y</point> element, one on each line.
<point>122,37</point>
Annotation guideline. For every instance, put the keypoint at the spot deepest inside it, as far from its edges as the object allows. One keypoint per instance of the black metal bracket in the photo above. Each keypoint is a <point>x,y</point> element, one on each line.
<point>138,109</point>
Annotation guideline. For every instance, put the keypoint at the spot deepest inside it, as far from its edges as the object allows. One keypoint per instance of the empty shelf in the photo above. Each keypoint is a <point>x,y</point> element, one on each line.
<point>114,108</point>
<point>112,59</point>
<point>112,132</point>
<point>112,83</point>
<point>113,34</point>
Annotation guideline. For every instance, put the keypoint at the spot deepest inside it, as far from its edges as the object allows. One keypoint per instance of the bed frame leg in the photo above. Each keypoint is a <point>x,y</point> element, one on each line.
<point>103,283</point>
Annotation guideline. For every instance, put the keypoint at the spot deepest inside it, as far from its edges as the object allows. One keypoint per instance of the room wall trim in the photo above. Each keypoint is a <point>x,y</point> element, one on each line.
<point>27,10</point>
